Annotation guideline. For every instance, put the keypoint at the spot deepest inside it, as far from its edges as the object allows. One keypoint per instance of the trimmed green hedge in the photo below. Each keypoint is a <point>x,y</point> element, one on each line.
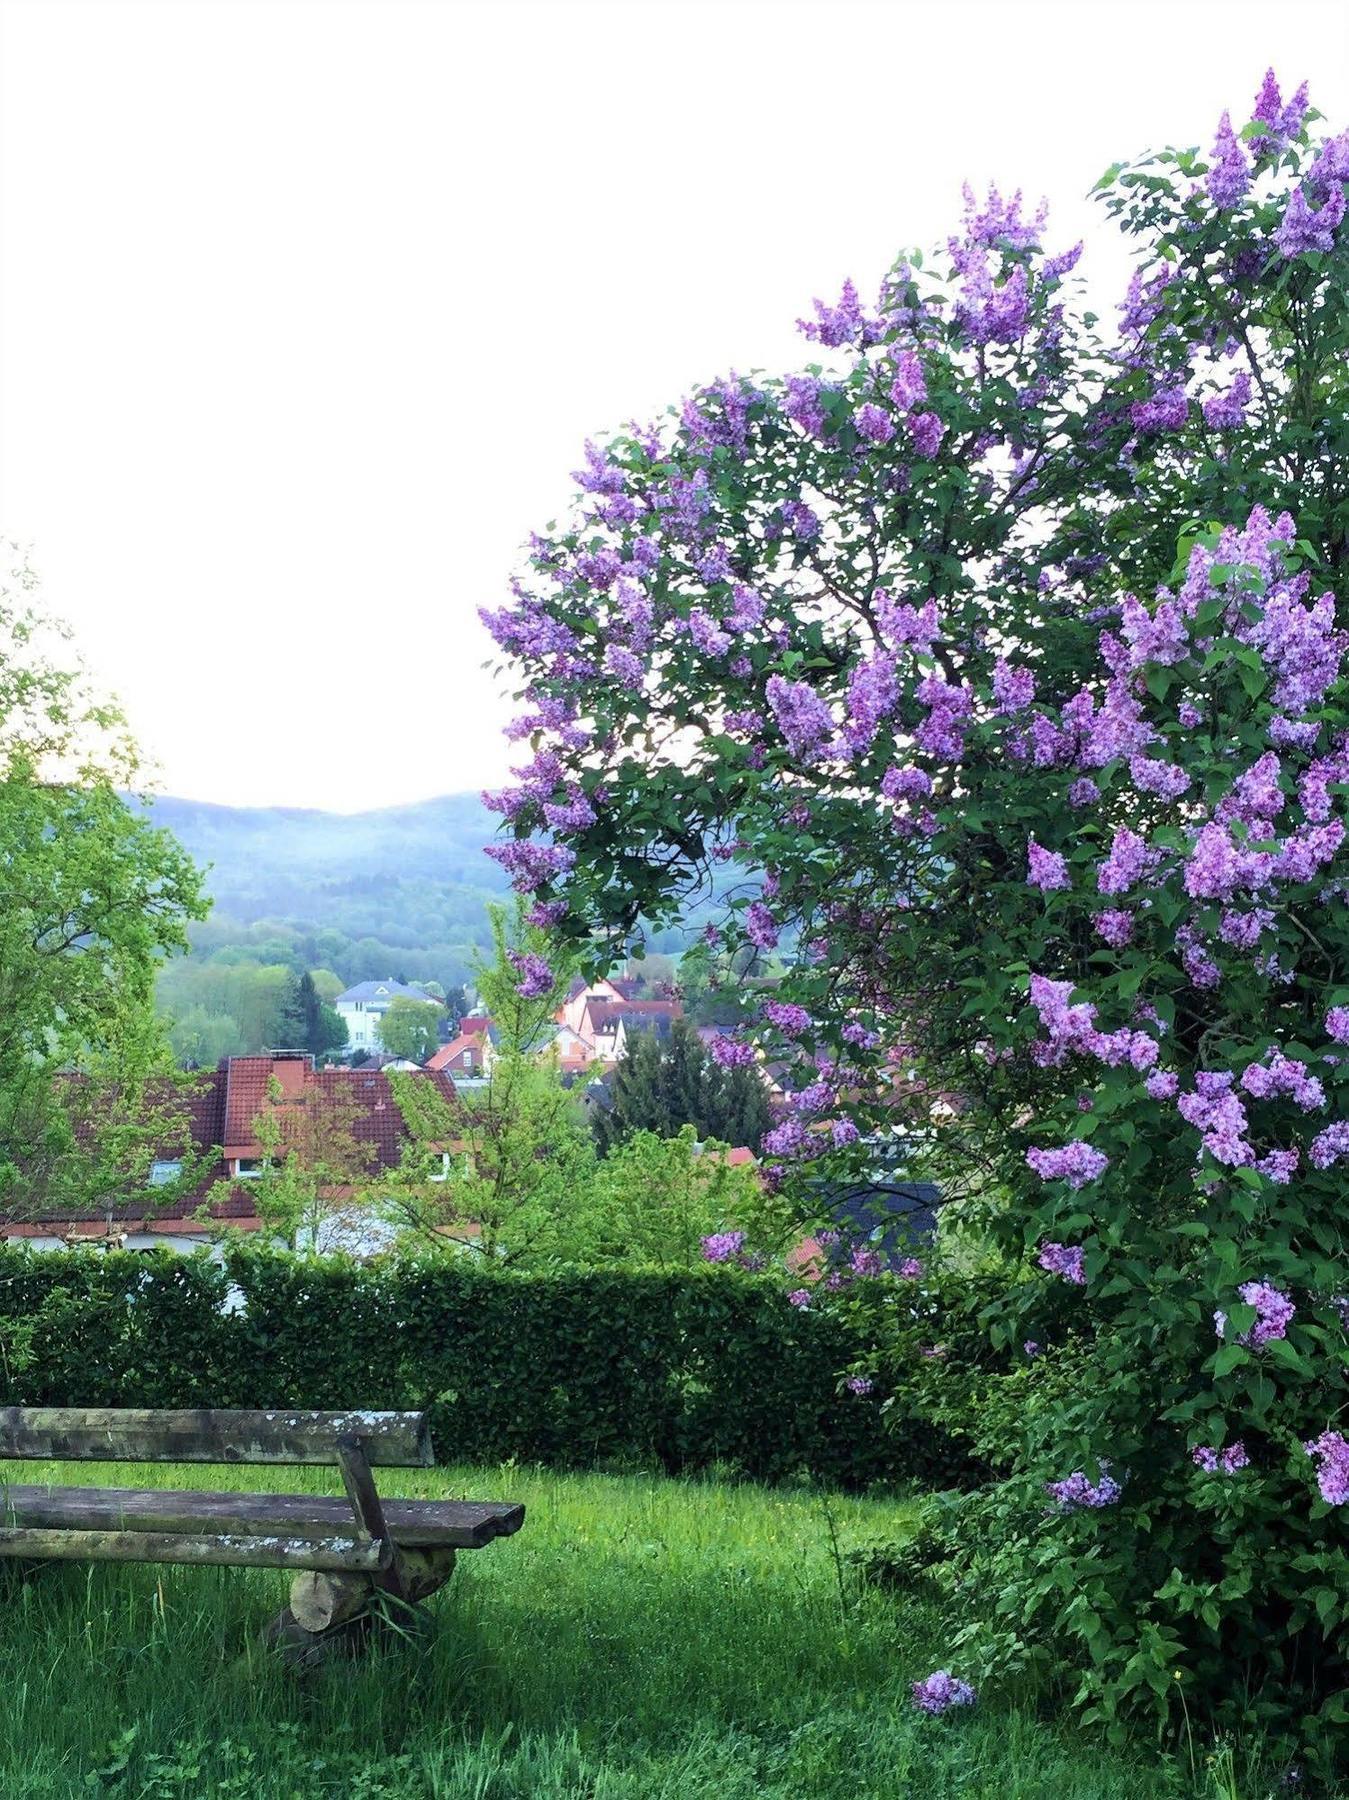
<point>575,1368</point>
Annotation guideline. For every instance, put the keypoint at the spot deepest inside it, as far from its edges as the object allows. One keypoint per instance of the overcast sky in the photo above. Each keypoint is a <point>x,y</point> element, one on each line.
<point>306,308</point>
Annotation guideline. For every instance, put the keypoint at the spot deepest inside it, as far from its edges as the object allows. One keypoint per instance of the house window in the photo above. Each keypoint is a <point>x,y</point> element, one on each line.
<point>444,1174</point>
<point>248,1168</point>
<point>162,1173</point>
<point>466,1058</point>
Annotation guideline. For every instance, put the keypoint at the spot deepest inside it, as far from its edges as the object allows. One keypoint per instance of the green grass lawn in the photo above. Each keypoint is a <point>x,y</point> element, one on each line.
<point>640,1637</point>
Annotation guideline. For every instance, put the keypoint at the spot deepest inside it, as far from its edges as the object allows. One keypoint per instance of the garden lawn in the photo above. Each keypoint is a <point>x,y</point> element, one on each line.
<point>640,1637</point>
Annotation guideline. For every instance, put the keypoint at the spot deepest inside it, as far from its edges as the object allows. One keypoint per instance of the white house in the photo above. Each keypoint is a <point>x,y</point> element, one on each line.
<point>362,1007</point>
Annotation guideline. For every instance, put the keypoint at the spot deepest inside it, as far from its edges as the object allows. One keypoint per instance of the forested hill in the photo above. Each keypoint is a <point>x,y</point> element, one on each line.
<point>337,868</point>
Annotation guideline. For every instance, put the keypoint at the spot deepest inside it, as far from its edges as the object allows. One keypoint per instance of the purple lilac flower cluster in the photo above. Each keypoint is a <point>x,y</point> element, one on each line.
<point>1330,1452</point>
<point>1274,1312</point>
<point>1221,1462</point>
<point>1077,1163</point>
<point>1075,1492</point>
<point>723,1245</point>
<point>938,1692</point>
<point>1064,1260</point>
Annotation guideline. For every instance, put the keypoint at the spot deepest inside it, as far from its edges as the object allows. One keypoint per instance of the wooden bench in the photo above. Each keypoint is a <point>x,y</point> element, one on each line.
<point>358,1559</point>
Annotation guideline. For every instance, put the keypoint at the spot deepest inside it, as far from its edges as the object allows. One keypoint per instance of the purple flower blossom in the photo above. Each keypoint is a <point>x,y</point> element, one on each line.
<point>1064,1260</point>
<point>1048,870</point>
<point>1282,123</point>
<point>799,1298</point>
<point>1330,1452</point>
<point>531,865</point>
<point>723,1245</point>
<point>1229,177</point>
<point>1167,780</point>
<point>1303,229</point>
<point>707,634</point>
<point>940,1691</point>
<point>1115,926</point>
<point>761,928</point>
<point>1075,1492</point>
<point>1083,792</point>
<point>538,978</point>
<point>1031,1349</point>
<point>1337,1024</point>
<point>909,385</point>
<point>1013,689</point>
<point>926,432</point>
<point>1128,861</point>
<point>1165,410</point>
<point>803,718</point>
<point>859,1384</point>
<point>1076,1163</point>
<point>1227,412</point>
<point>1328,1146</point>
<point>1278,1166</point>
<point>1281,1075</point>
<point>874,423</point>
<point>794,1020</point>
<point>1221,1462</point>
<point>1273,1313</point>
<point>1162,1085</point>
<point>1215,1111</point>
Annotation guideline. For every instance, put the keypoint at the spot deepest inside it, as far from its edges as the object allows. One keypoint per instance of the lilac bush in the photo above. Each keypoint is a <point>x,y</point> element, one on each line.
<point>988,672</point>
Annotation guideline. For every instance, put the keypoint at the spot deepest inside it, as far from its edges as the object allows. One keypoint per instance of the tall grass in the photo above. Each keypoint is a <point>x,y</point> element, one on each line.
<point>641,1637</point>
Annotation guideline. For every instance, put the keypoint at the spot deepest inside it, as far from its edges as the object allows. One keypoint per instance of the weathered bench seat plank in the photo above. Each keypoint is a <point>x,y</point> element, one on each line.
<point>336,1554</point>
<point>418,1524</point>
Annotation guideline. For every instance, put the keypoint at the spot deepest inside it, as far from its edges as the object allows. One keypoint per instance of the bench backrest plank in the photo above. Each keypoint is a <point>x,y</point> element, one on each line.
<point>76,1433</point>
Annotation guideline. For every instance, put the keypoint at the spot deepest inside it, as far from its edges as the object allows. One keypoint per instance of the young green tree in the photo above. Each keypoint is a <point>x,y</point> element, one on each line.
<point>661,1085</point>
<point>94,896</point>
<point>410,1029</point>
<point>522,1157</point>
<point>315,1188</point>
<point>655,1198</point>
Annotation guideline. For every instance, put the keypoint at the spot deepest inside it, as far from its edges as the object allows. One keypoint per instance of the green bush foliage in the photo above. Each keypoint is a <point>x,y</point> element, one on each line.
<point>682,1370</point>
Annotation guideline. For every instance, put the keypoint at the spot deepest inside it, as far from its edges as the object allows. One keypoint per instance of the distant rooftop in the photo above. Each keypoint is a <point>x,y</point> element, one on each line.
<point>380,990</point>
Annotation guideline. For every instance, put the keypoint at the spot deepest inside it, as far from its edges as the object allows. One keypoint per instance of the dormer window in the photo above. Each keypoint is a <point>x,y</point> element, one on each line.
<point>444,1174</point>
<point>162,1173</point>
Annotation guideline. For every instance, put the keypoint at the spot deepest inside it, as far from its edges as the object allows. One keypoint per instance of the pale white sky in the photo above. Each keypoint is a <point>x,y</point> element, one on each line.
<point>307,306</point>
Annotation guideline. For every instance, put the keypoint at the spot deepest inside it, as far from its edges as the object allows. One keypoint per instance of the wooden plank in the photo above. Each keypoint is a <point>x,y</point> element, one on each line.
<point>365,1505</point>
<point>74,1434</point>
<point>418,1524</point>
<point>163,1547</point>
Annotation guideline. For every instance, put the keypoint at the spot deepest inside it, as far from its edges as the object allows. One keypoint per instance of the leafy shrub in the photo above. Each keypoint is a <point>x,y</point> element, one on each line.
<point>1007,663</point>
<point>578,1368</point>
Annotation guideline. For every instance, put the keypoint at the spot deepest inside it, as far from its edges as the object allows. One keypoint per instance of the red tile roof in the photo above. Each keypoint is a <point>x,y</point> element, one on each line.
<point>215,1113</point>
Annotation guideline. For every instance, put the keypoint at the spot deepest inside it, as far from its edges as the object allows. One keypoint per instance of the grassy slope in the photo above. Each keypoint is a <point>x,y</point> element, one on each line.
<point>640,1637</point>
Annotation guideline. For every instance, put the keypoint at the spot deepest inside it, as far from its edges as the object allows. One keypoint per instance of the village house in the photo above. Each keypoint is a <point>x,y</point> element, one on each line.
<point>595,1022</point>
<point>470,1052</point>
<point>204,1180</point>
<point>362,1007</point>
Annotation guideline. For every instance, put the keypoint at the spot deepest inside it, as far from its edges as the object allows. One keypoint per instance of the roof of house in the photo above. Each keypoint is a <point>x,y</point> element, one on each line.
<point>381,990</point>
<point>624,989</point>
<point>605,1016</point>
<point>212,1117</point>
<point>470,1044</point>
<point>473,1024</point>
